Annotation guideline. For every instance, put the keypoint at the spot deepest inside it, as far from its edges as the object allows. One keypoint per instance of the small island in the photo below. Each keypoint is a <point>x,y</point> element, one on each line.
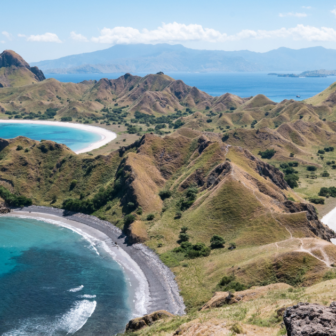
<point>314,73</point>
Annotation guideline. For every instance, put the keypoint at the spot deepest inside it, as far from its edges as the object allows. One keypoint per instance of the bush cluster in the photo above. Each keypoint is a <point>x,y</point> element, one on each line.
<point>328,192</point>
<point>229,283</point>
<point>267,154</point>
<point>193,251</point>
<point>13,200</point>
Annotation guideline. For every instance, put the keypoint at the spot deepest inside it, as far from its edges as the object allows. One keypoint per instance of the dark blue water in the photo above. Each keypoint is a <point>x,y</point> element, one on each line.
<point>74,138</point>
<point>241,84</point>
<point>52,282</point>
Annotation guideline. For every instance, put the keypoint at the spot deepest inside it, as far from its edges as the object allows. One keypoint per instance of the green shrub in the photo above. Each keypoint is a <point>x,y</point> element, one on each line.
<point>139,210</point>
<point>184,229</point>
<point>73,184</point>
<point>183,237</point>
<point>316,200</point>
<point>267,154</point>
<point>19,147</point>
<point>129,219</point>
<point>225,137</point>
<point>292,180</point>
<point>311,168</point>
<point>178,214</point>
<point>229,283</point>
<point>217,242</point>
<point>13,200</point>
<point>320,151</point>
<point>26,150</point>
<point>325,174</point>
<point>150,216</point>
<point>165,194</point>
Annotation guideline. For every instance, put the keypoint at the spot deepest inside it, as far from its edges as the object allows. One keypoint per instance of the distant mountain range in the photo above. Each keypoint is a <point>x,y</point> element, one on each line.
<point>177,58</point>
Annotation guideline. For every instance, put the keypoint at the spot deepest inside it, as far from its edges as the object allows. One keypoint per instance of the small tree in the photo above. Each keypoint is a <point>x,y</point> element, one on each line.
<point>165,194</point>
<point>18,148</point>
<point>73,184</point>
<point>184,237</point>
<point>217,242</point>
<point>311,168</point>
<point>129,219</point>
<point>184,229</point>
<point>178,215</point>
<point>150,216</point>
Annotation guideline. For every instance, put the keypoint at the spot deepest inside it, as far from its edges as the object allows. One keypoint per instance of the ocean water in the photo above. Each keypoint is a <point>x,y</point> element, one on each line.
<point>54,282</point>
<point>241,84</point>
<point>75,139</point>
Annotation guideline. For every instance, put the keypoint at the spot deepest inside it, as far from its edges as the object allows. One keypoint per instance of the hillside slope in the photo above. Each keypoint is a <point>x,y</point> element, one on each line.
<point>15,71</point>
<point>162,184</point>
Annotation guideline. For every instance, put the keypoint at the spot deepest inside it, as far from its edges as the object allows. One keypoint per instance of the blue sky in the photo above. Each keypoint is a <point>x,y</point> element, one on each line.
<point>40,30</point>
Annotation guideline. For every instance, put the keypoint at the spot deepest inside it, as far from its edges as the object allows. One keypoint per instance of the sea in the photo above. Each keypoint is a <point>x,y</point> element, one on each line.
<point>55,282</point>
<point>241,84</point>
<point>76,139</point>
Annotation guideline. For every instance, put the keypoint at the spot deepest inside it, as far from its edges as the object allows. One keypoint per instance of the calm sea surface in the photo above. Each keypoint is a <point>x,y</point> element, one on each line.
<point>241,84</point>
<point>74,138</point>
<point>54,282</point>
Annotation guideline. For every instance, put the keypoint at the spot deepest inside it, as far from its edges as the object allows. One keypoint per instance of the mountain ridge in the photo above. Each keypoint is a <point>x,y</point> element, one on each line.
<point>177,58</point>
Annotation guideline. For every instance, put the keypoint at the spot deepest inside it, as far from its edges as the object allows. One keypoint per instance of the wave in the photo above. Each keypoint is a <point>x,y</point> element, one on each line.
<point>87,296</point>
<point>76,289</point>
<point>70,322</point>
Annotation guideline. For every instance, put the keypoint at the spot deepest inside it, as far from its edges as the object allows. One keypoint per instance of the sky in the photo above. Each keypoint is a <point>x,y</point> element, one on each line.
<point>42,30</point>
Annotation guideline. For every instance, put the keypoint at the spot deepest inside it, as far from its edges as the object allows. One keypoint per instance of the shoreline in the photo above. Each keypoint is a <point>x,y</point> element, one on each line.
<point>106,135</point>
<point>152,284</point>
<point>330,220</point>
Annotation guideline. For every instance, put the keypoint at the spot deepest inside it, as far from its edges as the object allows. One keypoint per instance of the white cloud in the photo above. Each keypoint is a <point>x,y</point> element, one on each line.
<point>78,37</point>
<point>334,11</point>
<point>47,37</point>
<point>8,35</point>
<point>176,32</point>
<point>300,15</point>
<point>22,35</point>
<point>2,42</point>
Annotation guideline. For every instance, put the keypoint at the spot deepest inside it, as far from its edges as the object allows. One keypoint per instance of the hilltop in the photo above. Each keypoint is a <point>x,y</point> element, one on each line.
<point>15,71</point>
<point>150,58</point>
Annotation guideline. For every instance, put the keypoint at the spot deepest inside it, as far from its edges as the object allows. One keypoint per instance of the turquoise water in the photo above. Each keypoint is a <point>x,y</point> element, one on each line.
<point>242,84</point>
<point>53,282</point>
<point>75,139</point>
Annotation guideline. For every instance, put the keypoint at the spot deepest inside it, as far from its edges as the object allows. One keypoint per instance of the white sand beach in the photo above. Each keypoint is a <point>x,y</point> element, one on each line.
<point>106,135</point>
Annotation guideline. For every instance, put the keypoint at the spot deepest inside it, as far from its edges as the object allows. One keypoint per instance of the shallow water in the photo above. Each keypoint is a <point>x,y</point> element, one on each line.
<point>241,84</point>
<point>54,282</point>
<point>75,139</point>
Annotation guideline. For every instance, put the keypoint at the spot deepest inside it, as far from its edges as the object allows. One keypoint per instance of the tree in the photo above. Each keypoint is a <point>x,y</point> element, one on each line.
<point>129,219</point>
<point>292,180</point>
<point>311,168</point>
<point>184,229</point>
<point>73,184</point>
<point>150,216</point>
<point>267,154</point>
<point>19,148</point>
<point>184,237</point>
<point>165,194</point>
<point>217,242</point>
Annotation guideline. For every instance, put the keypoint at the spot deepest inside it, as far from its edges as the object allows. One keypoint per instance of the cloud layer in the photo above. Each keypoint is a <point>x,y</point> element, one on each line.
<point>47,37</point>
<point>78,37</point>
<point>177,32</point>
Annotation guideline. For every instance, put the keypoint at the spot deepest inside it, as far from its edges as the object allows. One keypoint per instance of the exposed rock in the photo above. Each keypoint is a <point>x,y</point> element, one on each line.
<point>318,228</point>
<point>4,209</point>
<point>147,320</point>
<point>38,73</point>
<point>204,142</point>
<point>267,171</point>
<point>221,298</point>
<point>311,319</point>
<point>217,174</point>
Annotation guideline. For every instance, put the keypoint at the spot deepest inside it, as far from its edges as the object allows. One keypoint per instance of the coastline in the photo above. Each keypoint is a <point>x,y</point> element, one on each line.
<point>151,283</point>
<point>330,220</point>
<point>106,135</point>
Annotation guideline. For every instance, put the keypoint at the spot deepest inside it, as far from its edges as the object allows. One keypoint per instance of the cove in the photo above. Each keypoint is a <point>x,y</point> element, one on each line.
<point>76,139</point>
<point>55,282</point>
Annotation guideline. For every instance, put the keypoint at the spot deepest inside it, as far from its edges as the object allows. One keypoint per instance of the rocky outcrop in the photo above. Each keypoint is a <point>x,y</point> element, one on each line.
<point>10,58</point>
<point>318,228</point>
<point>222,298</point>
<point>147,320</point>
<point>310,319</point>
<point>38,73</point>
<point>268,171</point>
<point>4,209</point>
